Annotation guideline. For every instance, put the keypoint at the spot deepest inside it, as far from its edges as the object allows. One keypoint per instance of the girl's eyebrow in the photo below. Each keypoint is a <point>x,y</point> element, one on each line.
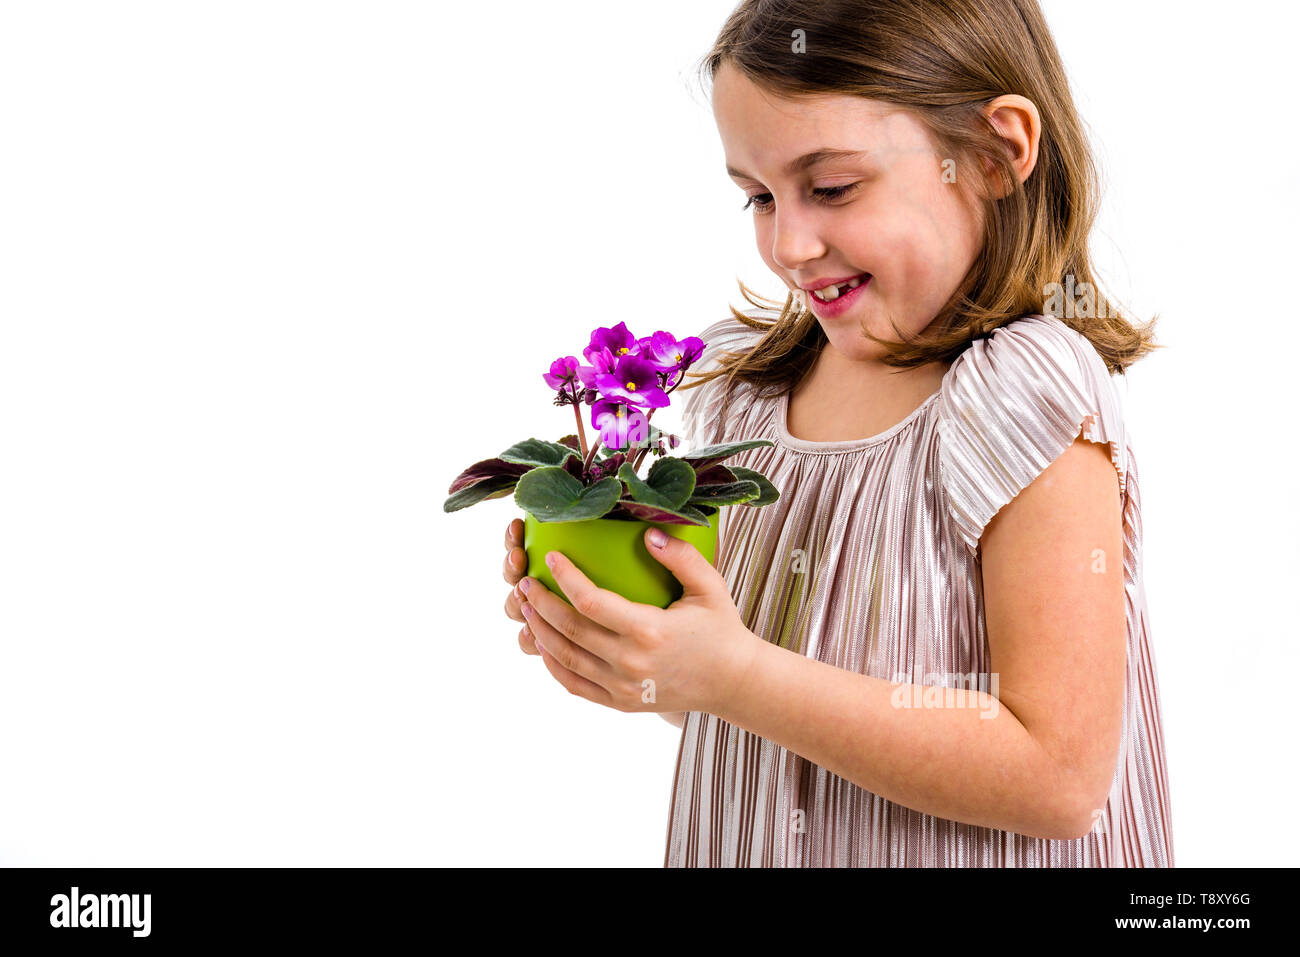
<point>808,160</point>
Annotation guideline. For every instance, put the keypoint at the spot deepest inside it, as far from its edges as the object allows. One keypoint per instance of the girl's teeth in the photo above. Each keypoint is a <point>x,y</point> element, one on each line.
<point>831,293</point>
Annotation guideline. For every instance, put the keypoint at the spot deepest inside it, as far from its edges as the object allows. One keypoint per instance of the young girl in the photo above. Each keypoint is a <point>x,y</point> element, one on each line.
<point>934,649</point>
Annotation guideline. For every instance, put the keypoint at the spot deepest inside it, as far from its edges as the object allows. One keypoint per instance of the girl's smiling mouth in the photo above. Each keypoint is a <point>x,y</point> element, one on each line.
<point>833,297</point>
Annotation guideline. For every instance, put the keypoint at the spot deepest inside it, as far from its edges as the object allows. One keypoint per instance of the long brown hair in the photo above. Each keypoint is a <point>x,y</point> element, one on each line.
<point>942,61</point>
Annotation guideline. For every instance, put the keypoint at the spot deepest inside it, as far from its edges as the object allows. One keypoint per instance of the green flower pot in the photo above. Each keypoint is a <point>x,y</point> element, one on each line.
<point>612,553</point>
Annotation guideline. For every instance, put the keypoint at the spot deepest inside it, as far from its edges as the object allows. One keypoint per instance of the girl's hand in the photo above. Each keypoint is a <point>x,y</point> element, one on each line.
<point>636,657</point>
<point>513,569</point>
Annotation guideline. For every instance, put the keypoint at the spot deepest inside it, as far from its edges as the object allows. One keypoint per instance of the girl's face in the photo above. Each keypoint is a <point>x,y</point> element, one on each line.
<point>843,188</point>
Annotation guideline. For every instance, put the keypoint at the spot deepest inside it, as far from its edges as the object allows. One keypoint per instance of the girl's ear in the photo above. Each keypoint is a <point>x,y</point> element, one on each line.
<point>1017,121</point>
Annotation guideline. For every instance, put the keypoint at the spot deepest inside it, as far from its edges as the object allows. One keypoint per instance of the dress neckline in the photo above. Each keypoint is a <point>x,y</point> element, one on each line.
<point>845,445</point>
<point>784,437</point>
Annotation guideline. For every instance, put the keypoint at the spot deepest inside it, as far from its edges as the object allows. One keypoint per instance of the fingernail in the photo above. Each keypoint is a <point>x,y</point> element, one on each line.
<point>550,560</point>
<point>527,609</point>
<point>657,538</point>
<point>523,584</point>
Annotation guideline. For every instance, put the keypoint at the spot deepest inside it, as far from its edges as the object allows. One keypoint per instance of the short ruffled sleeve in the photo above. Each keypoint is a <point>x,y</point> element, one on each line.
<point>703,421</point>
<point>1010,406</point>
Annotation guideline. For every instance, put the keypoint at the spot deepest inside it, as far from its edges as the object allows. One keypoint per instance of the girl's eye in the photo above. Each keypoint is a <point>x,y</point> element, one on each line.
<point>762,202</point>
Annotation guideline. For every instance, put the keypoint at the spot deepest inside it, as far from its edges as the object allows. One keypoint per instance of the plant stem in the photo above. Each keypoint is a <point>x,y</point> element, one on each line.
<point>641,452</point>
<point>586,463</point>
<point>577,417</point>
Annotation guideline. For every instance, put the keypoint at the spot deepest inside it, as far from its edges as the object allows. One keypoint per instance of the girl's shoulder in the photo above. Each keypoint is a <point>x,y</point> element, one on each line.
<point>1010,405</point>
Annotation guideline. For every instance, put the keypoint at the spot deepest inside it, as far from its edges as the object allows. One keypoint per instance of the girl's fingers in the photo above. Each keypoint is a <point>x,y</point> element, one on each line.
<point>526,642</point>
<point>573,682</point>
<point>514,566</point>
<point>567,654</point>
<point>577,629</point>
<point>512,607</point>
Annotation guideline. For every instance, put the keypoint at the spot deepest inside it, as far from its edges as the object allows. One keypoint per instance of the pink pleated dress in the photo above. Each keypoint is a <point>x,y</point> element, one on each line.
<point>885,531</point>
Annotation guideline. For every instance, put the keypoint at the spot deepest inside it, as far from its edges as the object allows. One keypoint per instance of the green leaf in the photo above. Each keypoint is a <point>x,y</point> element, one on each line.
<point>712,454</point>
<point>668,485</point>
<point>715,475</point>
<point>735,493</point>
<point>551,494</point>
<point>686,515</point>
<point>494,487</point>
<point>639,490</point>
<point>488,468</point>
<point>537,452</point>
<point>673,478</point>
<point>768,493</point>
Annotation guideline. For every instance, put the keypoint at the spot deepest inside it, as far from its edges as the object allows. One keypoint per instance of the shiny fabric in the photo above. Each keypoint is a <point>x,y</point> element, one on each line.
<point>870,562</point>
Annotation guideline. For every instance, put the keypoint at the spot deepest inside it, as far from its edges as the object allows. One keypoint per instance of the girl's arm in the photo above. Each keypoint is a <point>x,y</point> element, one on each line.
<point>675,718</point>
<point>1052,564</point>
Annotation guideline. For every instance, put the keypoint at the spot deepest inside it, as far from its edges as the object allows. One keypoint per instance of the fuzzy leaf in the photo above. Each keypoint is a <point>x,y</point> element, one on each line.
<point>715,475</point>
<point>639,490</point>
<point>573,466</point>
<point>668,485</point>
<point>493,487</point>
<point>488,468</point>
<point>686,515</point>
<point>619,512</point>
<point>712,454</point>
<point>768,492</point>
<point>537,453</point>
<point>672,478</point>
<point>735,493</point>
<point>551,494</point>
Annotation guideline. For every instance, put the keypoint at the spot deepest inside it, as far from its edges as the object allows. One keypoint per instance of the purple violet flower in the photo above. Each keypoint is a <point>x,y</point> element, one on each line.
<point>602,361</point>
<point>669,353</point>
<point>634,381</point>
<point>563,372</point>
<point>616,339</point>
<point>618,423</point>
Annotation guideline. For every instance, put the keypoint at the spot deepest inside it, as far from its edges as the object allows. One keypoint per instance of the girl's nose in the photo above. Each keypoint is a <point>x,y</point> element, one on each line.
<point>795,240</point>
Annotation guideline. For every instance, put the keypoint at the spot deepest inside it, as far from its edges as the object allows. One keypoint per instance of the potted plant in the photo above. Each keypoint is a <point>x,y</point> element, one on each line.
<point>588,499</point>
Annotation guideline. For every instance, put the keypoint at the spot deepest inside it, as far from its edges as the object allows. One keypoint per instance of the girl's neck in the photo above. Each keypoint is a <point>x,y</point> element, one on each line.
<point>843,399</point>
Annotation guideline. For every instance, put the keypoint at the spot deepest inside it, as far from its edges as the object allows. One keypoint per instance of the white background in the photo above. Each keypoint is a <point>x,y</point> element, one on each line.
<point>272,273</point>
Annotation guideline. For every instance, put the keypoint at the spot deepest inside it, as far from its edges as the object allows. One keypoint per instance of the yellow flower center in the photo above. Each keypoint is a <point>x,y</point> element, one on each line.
<point>622,349</point>
<point>631,387</point>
